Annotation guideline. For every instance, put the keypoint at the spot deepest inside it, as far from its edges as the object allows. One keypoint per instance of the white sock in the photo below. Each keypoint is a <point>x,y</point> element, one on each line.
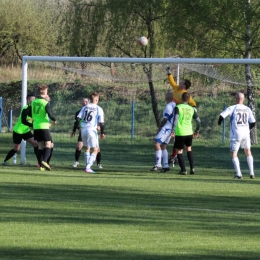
<point>250,162</point>
<point>165,158</point>
<point>237,166</point>
<point>158,158</point>
<point>86,156</point>
<point>91,160</point>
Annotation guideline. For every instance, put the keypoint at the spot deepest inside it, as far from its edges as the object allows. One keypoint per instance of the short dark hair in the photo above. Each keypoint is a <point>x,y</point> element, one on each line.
<point>185,97</point>
<point>42,88</point>
<point>30,95</point>
<point>187,83</point>
<point>94,94</point>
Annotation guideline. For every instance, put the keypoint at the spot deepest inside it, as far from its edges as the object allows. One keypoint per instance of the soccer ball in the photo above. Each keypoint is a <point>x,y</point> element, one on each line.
<point>143,41</point>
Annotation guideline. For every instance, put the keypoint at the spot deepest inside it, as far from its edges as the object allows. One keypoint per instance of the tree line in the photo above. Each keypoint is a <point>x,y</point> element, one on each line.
<point>188,28</point>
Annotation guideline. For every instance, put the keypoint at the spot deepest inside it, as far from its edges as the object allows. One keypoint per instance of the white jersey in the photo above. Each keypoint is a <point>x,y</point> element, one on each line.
<point>240,117</point>
<point>91,115</point>
<point>168,113</point>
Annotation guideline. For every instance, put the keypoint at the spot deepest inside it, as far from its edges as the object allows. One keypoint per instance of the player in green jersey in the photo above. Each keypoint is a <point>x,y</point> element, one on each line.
<point>182,130</point>
<point>22,132</point>
<point>41,113</point>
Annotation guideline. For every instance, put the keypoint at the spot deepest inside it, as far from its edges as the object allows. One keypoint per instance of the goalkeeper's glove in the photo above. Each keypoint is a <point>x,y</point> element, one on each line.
<point>167,68</point>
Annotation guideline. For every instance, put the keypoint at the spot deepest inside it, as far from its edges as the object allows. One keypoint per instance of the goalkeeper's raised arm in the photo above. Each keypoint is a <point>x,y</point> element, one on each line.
<point>178,90</point>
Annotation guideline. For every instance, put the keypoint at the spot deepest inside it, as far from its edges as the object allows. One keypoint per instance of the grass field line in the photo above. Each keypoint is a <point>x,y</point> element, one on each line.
<point>220,211</point>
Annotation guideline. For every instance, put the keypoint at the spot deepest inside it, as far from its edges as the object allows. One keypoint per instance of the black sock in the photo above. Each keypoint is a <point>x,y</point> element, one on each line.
<point>77,155</point>
<point>10,154</point>
<point>40,155</point>
<point>36,153</point>
<point>190,157</point>
<point>49,159</point>
<point>181,162</point>
<point>46,153</point>
<point>99,158</point>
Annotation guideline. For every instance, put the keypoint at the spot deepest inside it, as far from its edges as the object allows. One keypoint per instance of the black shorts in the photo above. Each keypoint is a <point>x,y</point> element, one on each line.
<point>79,138</point>
<point>17,138</point>
<point>42,135</point>
<point>180,141</point>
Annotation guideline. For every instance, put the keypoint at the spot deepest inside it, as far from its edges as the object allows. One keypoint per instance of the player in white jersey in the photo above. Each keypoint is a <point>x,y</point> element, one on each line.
<point>241,123</point>
<point>90,116</point>
<point>164,135</point>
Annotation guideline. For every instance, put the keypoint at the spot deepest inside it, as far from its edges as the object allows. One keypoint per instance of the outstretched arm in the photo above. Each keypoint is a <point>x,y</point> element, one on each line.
<point>192,102</point>
<point>220,119</point>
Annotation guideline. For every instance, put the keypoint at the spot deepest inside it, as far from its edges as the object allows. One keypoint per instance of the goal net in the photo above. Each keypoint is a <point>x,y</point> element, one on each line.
<point>125,96</point>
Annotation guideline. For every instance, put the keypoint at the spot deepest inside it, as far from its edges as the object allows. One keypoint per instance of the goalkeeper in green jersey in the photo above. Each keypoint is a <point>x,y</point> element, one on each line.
<point>22,132</point>
<point>40,111</point>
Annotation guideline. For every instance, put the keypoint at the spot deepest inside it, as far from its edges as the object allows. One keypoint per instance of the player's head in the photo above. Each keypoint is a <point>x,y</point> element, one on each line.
<point>185,84</point>
<point>168,97</point>
<point>43,90</point>
<point>185,97</point>
<point>240,98</point>
<point>30,98</point>
<point>84,102</point>
<point>94,97</point>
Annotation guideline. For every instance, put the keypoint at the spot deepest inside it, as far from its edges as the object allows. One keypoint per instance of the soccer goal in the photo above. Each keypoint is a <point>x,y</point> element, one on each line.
<point>132,96</point>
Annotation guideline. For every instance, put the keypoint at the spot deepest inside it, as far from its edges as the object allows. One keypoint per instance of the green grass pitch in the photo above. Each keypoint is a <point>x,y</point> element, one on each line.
<point>127,212</point>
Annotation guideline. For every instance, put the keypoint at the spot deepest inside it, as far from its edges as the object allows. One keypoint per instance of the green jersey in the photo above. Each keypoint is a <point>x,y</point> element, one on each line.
<point>39,114</point>
<point>19,127</point>
<point>184,125</point>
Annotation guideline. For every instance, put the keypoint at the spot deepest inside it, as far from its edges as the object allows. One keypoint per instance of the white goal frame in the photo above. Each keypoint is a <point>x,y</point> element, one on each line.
<point>176,60</point>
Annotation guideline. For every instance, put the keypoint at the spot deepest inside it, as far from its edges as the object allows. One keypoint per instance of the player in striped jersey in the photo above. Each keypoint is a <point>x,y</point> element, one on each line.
<point>242,122</point>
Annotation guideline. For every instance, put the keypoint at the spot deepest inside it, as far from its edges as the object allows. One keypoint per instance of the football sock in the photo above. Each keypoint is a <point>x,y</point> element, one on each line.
<point>237,166</point>
<point>36,154</point>
<point>40,156</point>
<point>91,160</point>
<point>49,159</point>
<point>77,155</point>
<point>10,154</point>
<point>174,153</point>
<point>86,156</point>
<point>158,158</point>
<point>191,160</point>
<point>181,162</point>
<point>250,162</point>
<point>99,158</point>
<point>46,153</point>
<point>165,158</point>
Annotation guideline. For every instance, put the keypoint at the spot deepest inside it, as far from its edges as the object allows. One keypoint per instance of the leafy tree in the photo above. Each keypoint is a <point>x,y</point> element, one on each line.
<point>222,28</point>
<point>127,21</point>
<point>24,29</point>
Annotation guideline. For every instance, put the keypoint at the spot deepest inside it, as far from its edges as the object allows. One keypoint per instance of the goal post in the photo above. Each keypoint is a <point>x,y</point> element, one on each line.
<point>55,59</point>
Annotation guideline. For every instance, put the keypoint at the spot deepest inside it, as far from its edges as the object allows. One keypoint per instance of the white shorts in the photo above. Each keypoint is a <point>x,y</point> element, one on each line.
<point>164,136</point>
<point>89,137</point>
<point>236,144</point>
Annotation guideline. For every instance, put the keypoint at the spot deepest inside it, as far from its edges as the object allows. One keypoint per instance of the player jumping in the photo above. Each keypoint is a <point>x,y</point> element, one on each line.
<point>90,116</point>
<point>164,135</point>
<point>178,90</point>
<point>242,122</point>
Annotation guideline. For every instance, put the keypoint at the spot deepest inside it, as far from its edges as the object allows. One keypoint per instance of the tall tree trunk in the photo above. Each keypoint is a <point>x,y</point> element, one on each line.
<point>248,74</point>
<point>152,92</point>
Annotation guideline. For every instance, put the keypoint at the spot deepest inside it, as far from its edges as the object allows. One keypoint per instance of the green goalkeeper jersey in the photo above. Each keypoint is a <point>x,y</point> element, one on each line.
<point>19,127</point>
<point>39,114</point>
<point>184,125</point>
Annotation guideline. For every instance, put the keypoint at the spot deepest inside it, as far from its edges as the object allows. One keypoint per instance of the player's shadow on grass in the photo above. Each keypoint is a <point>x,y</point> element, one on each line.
<point>68,254</point>
<point>60,203</point>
